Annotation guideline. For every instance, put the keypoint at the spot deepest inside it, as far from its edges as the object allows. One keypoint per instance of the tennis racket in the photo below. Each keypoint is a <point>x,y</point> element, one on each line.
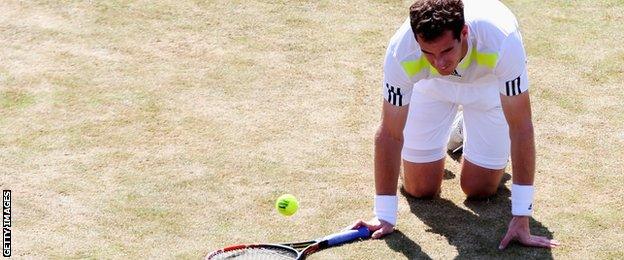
<point>297,250</point>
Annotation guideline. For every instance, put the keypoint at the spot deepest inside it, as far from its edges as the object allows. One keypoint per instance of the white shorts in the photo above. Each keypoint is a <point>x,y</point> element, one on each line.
<point>433,106</point>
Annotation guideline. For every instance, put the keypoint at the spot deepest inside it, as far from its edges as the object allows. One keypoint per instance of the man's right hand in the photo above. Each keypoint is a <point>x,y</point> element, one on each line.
<point>379,227</point>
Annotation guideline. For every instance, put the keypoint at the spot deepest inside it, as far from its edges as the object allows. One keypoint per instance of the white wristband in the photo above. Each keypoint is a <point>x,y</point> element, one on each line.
<point>522,200</point>
<point>386,207</point>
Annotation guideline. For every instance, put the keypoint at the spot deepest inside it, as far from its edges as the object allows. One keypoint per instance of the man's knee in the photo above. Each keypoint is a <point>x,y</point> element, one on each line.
<point>479,182</point>
<point>421,192</point>
<point>423,180</point>
<point>474,188</point>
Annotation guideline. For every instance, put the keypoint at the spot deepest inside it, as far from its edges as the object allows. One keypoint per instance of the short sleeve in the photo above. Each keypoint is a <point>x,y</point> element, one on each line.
<point>511,68</point>
<point>396,87</point>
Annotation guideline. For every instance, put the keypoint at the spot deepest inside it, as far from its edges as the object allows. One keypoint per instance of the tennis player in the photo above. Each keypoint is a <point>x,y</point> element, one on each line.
<point>452,53</point>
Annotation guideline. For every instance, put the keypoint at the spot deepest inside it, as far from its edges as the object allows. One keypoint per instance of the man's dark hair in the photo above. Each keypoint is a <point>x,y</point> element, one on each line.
<point>431,18</point>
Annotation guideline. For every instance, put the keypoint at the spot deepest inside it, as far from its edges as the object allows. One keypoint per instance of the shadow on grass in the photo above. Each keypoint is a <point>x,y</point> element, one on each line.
<point>476,233</point>
<point>398,242</point>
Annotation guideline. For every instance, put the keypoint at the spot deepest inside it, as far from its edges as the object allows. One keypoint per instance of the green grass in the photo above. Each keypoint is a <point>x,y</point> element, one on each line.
<point>166,129</point>
<point>12,100</point>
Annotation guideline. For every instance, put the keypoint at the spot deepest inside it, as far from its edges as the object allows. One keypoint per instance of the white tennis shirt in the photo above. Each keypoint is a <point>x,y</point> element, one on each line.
<point>495,53</point>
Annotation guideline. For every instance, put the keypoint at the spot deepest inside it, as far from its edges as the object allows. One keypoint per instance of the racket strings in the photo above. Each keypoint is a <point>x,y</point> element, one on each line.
<point>260,253</point>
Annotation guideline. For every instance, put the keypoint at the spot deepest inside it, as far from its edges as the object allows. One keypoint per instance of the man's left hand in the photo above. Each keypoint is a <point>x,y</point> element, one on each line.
<point>519,231</point>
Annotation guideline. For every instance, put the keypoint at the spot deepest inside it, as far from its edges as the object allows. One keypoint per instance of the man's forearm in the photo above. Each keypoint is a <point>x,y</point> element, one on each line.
<point>523,156</point>
<point>387,164</point>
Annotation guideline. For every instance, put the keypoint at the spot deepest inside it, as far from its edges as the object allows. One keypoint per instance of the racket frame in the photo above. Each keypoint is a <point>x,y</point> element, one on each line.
<point>304,248</point>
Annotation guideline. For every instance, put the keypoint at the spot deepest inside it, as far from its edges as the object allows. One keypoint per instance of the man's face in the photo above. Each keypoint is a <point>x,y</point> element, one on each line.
<point>445,52</point>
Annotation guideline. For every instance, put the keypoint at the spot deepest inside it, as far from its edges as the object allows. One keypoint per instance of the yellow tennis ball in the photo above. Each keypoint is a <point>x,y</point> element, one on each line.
<point>287,204</point>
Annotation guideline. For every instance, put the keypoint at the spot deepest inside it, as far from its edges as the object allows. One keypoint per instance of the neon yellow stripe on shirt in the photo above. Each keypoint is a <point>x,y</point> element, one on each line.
<point>486,59</point>
<point>413,67</point>
<point>482,58</point>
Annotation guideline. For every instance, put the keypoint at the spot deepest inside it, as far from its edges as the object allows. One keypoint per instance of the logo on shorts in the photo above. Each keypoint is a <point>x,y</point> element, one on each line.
<point>531,206</point>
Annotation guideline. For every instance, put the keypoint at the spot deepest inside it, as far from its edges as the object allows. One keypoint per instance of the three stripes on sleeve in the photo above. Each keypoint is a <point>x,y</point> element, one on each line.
<point>513,87</point>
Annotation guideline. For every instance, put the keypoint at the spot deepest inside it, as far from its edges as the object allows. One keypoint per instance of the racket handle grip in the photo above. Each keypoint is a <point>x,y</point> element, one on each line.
<point>347,236</point>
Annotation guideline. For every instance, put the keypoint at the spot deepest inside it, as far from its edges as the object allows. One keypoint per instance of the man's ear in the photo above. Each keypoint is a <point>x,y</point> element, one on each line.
<point>464,32</point>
